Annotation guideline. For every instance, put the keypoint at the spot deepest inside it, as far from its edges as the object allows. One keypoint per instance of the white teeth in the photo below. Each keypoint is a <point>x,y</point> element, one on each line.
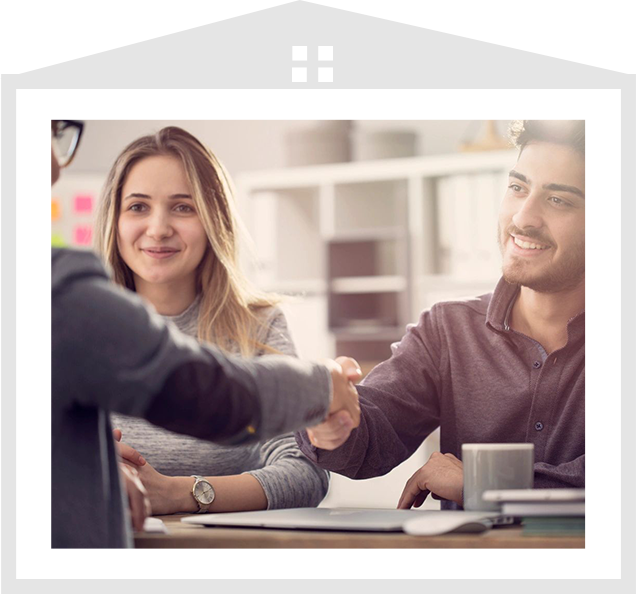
<point>526,245</point>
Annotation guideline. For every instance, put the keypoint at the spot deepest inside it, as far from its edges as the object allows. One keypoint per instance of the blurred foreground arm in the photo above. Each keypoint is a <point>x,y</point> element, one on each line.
<point>111,352</point>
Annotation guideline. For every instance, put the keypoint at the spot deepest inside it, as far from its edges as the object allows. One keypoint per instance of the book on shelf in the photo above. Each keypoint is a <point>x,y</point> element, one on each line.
<point>467,222</point>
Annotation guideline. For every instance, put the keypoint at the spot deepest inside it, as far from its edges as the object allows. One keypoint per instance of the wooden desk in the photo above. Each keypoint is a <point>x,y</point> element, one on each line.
<point>188,536</point>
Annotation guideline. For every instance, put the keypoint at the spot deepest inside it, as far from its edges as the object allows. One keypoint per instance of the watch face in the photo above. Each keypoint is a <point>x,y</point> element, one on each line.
<point>204,492</point>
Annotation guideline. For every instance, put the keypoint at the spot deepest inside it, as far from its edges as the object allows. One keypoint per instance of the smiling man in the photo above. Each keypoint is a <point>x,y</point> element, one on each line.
<point>508,366</point>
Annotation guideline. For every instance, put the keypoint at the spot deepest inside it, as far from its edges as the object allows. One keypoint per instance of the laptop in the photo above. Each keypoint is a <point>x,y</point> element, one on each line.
<point>411,521</point>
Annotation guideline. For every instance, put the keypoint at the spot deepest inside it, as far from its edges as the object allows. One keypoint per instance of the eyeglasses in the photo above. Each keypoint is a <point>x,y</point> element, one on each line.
<point>65,136</point>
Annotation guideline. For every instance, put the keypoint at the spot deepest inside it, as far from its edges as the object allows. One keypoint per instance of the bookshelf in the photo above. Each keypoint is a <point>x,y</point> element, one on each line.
<point>377,242</point>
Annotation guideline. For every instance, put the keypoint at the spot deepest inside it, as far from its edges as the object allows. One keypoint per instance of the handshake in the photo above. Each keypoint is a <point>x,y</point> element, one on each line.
<point>344,411</point>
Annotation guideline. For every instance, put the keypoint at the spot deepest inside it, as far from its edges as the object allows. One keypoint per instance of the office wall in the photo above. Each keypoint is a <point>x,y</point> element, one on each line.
<point>253,145</point>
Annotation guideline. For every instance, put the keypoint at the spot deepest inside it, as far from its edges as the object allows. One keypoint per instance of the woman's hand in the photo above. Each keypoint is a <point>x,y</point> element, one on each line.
<point>160,489</point>
<point>127,454</point>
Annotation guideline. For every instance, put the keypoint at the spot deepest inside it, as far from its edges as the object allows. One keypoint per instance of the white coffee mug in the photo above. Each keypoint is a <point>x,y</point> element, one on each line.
<point>495,466</point>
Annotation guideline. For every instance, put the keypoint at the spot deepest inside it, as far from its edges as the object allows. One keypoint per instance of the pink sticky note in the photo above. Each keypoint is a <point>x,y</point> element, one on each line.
<point>83,203</point>
<point>83,234</point>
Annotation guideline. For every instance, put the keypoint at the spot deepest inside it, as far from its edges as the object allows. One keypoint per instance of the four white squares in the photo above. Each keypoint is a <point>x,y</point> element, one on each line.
<point>299,53</point>
<point>325,53</point>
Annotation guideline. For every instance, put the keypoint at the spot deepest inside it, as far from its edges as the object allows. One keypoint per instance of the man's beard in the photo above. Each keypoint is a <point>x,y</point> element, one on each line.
<point>563,275</point>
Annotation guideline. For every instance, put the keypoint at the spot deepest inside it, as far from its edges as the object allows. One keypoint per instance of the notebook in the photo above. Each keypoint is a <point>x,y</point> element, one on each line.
<point>539,502</point>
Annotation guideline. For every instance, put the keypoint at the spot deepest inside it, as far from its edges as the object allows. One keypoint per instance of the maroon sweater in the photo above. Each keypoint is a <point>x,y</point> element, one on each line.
<point>463,370</point>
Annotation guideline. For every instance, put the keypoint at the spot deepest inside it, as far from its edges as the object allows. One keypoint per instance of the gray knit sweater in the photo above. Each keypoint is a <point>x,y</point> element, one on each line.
<point>287,477</point>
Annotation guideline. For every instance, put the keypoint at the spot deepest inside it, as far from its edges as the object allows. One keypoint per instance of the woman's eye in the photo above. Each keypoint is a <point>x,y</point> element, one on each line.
<point>184,208</point>
<point>137,207</point>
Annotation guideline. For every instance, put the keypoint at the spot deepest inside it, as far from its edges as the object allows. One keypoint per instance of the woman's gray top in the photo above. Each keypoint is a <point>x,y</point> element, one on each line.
<point>287,477</point>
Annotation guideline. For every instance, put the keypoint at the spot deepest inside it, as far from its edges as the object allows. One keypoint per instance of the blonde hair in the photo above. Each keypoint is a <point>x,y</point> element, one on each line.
<point>229,304</point>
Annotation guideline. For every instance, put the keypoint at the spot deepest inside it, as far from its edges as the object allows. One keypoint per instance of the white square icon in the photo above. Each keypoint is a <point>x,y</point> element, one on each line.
<point>325,75</point>
<point>325,53</point>
<point>299,53</point>
<point>299,75</point>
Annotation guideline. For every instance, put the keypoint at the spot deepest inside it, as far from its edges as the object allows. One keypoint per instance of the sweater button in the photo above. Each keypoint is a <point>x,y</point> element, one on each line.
<point>538,425</point>
<point>536,364</point>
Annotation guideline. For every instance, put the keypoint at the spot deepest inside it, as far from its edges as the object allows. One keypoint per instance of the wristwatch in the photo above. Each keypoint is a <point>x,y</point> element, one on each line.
<point>203,493</point>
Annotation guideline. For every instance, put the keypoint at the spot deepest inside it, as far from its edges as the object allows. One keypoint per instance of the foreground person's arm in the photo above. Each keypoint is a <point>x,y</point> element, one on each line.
<point>110,351</point>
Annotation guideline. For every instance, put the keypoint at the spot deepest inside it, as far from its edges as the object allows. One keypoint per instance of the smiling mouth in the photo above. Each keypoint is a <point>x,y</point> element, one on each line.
<point>529,245</point>
<point>160,253</point>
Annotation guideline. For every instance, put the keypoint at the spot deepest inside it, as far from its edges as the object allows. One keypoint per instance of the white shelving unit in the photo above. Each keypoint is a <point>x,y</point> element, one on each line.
<point>367,246</point>
<point>378,241</point>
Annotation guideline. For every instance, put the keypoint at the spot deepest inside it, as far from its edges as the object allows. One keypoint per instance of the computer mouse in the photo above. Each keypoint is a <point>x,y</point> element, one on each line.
<point>445,522</point>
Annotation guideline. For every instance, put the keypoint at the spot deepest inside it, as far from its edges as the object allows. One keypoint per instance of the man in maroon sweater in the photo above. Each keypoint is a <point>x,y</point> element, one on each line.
<point>504,367</point>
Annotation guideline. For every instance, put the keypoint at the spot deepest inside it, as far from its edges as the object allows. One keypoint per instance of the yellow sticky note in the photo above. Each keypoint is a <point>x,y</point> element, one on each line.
<point>56,211</point>
<point>57,240</point>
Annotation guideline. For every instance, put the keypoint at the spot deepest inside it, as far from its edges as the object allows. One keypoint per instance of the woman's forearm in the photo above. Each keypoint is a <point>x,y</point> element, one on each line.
<point>238,492</point>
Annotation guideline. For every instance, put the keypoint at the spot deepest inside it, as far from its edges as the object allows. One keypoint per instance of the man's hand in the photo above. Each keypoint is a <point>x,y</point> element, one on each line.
<point>137,497</point>
<point>344,412</point>
<point>127,453</point>
<point>345,371</point>
<point>442,475</point>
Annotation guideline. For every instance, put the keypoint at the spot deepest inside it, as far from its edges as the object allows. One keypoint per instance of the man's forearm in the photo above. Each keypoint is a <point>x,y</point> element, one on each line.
<point>568,474</point>
<point>373,449</point>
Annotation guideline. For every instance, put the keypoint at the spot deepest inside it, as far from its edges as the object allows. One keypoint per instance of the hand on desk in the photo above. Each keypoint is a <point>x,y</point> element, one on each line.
<point>442,475</point>
<point>157,486</point>
<point>344,412</point>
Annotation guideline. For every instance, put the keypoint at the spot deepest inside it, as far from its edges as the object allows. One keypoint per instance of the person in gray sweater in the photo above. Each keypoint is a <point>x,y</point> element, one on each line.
<point>168,230</point>
<point>169,460</point>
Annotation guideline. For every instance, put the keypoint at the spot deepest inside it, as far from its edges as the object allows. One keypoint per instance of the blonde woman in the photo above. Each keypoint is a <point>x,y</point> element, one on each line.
<point>168,230</point>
